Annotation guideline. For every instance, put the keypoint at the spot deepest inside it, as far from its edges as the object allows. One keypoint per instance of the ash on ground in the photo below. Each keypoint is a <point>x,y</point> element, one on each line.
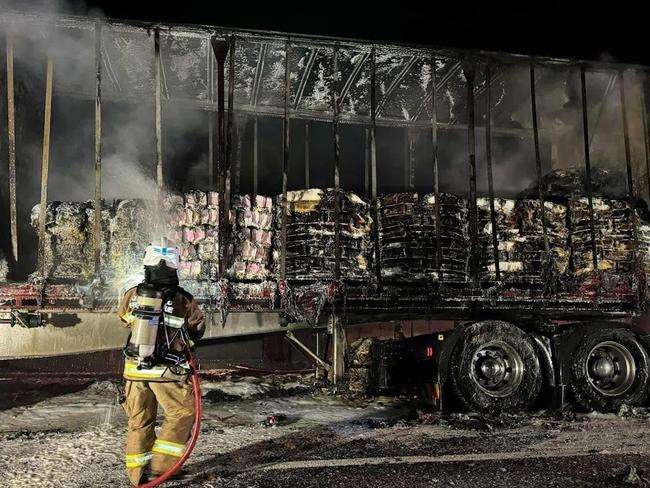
<point>280,431</point>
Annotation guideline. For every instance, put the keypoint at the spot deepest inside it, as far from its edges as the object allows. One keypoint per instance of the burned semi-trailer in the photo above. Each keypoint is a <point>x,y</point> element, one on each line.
<point>497,204</point>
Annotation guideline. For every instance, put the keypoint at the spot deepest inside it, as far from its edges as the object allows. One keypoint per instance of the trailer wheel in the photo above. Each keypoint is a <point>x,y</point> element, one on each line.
<point>609,368</point>
<point>495,368</point>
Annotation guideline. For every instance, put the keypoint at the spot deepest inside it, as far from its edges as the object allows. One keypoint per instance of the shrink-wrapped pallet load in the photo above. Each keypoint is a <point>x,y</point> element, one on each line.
<point>194,226</point>
<point>252,237</point>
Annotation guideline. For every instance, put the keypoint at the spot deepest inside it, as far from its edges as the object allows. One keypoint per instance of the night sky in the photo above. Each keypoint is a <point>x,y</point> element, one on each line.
<point>584,30</point>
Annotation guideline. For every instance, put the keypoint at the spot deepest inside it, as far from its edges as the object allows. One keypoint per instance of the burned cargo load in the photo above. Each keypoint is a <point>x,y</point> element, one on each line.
<point>4,267</point>
<point>130,229</point>
<point>69,237</point>
<point>564,184</point>
<point>127,227</point>
<point>311,243</point>
<point>612,267</point>
<point>540,253</point>
<point>68,241</point>
<point>602,243</point>
<point>532,244</point>
<point>408,237</point>
<point>643,251</point>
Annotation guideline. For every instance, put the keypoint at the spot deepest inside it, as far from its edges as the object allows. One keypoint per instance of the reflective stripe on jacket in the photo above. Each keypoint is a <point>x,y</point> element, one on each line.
<point>158,373</point>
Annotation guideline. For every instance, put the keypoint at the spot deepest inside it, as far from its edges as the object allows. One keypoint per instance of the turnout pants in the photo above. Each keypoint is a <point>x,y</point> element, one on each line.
<point>142,445</point>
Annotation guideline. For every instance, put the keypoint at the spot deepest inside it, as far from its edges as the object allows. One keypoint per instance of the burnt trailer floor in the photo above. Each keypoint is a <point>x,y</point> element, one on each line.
<point>77,439</point>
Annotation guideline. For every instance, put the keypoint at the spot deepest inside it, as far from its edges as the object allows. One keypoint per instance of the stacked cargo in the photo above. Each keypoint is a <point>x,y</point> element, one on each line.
<point>130,232</point>
<point>4,268</point>
<point>252,236</point>
<point>355,236</point>
<point>194,225</point>
<point>311,247</point>
<point>67,253</point>
<point>520,239</point>
<point>507,232</point>
<point>643,239</point>
<point>568,183</point>
<point>454,234</point>
<point>530,217</point>
<point>613,233</point>
<point>69,239</point>
<point>406,243</point>
<point>107,227</point>
<point>407,237</point>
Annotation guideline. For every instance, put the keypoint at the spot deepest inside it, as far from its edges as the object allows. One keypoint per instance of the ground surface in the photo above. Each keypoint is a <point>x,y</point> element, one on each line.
<point>76,440</point>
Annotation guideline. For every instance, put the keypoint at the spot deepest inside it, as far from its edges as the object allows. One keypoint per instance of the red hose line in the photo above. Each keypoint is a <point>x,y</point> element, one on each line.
<point>196,428</point>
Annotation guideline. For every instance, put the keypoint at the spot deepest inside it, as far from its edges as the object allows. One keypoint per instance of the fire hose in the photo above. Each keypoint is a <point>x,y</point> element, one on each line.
<point>196,428</point>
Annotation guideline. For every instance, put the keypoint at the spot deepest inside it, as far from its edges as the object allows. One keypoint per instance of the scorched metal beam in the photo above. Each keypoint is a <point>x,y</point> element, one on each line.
<point>630,178</point>
<point>225,230</point>
<point>585,134</point>
<point>158,102</point>
<point>538,159</point>
<point>11,136</point>
<point>488,158</point>
<point>211,159</point>
<point>285,162</point>
<point>646,133</point>
<point>220,49</point>
<point>469,70</point>
<point>436,179</point>
<point>255,154</point>
<point>307,154</point>
<point>98,149</point>
<point>373,154</point>
<point>45,163</point>
<point>337,162</point>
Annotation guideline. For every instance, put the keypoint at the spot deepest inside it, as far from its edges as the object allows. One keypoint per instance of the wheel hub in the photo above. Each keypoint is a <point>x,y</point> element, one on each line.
<point>492,369</point>
<point>603,368</point>
<point>497,368</point>
<point>610,368</point>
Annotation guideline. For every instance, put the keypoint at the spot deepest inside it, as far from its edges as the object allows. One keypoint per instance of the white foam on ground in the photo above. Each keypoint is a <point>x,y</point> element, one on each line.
<point>78,439</point>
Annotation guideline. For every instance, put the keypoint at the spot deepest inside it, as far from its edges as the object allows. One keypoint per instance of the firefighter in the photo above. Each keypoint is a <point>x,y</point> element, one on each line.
<point>150,382</point>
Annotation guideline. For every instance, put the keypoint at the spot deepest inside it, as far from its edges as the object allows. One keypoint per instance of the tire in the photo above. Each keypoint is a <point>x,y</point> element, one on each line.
<point>610,389</point>
<point>495,368</point>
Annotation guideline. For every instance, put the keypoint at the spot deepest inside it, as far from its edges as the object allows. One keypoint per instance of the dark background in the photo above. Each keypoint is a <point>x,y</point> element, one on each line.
<point>584,30</point>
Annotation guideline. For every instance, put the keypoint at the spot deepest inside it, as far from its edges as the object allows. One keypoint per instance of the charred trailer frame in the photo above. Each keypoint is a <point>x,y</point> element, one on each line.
<point>345,84</point>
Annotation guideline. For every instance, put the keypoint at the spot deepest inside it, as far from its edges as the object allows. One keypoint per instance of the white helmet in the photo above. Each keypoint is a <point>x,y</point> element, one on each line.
<point>163,250</point>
